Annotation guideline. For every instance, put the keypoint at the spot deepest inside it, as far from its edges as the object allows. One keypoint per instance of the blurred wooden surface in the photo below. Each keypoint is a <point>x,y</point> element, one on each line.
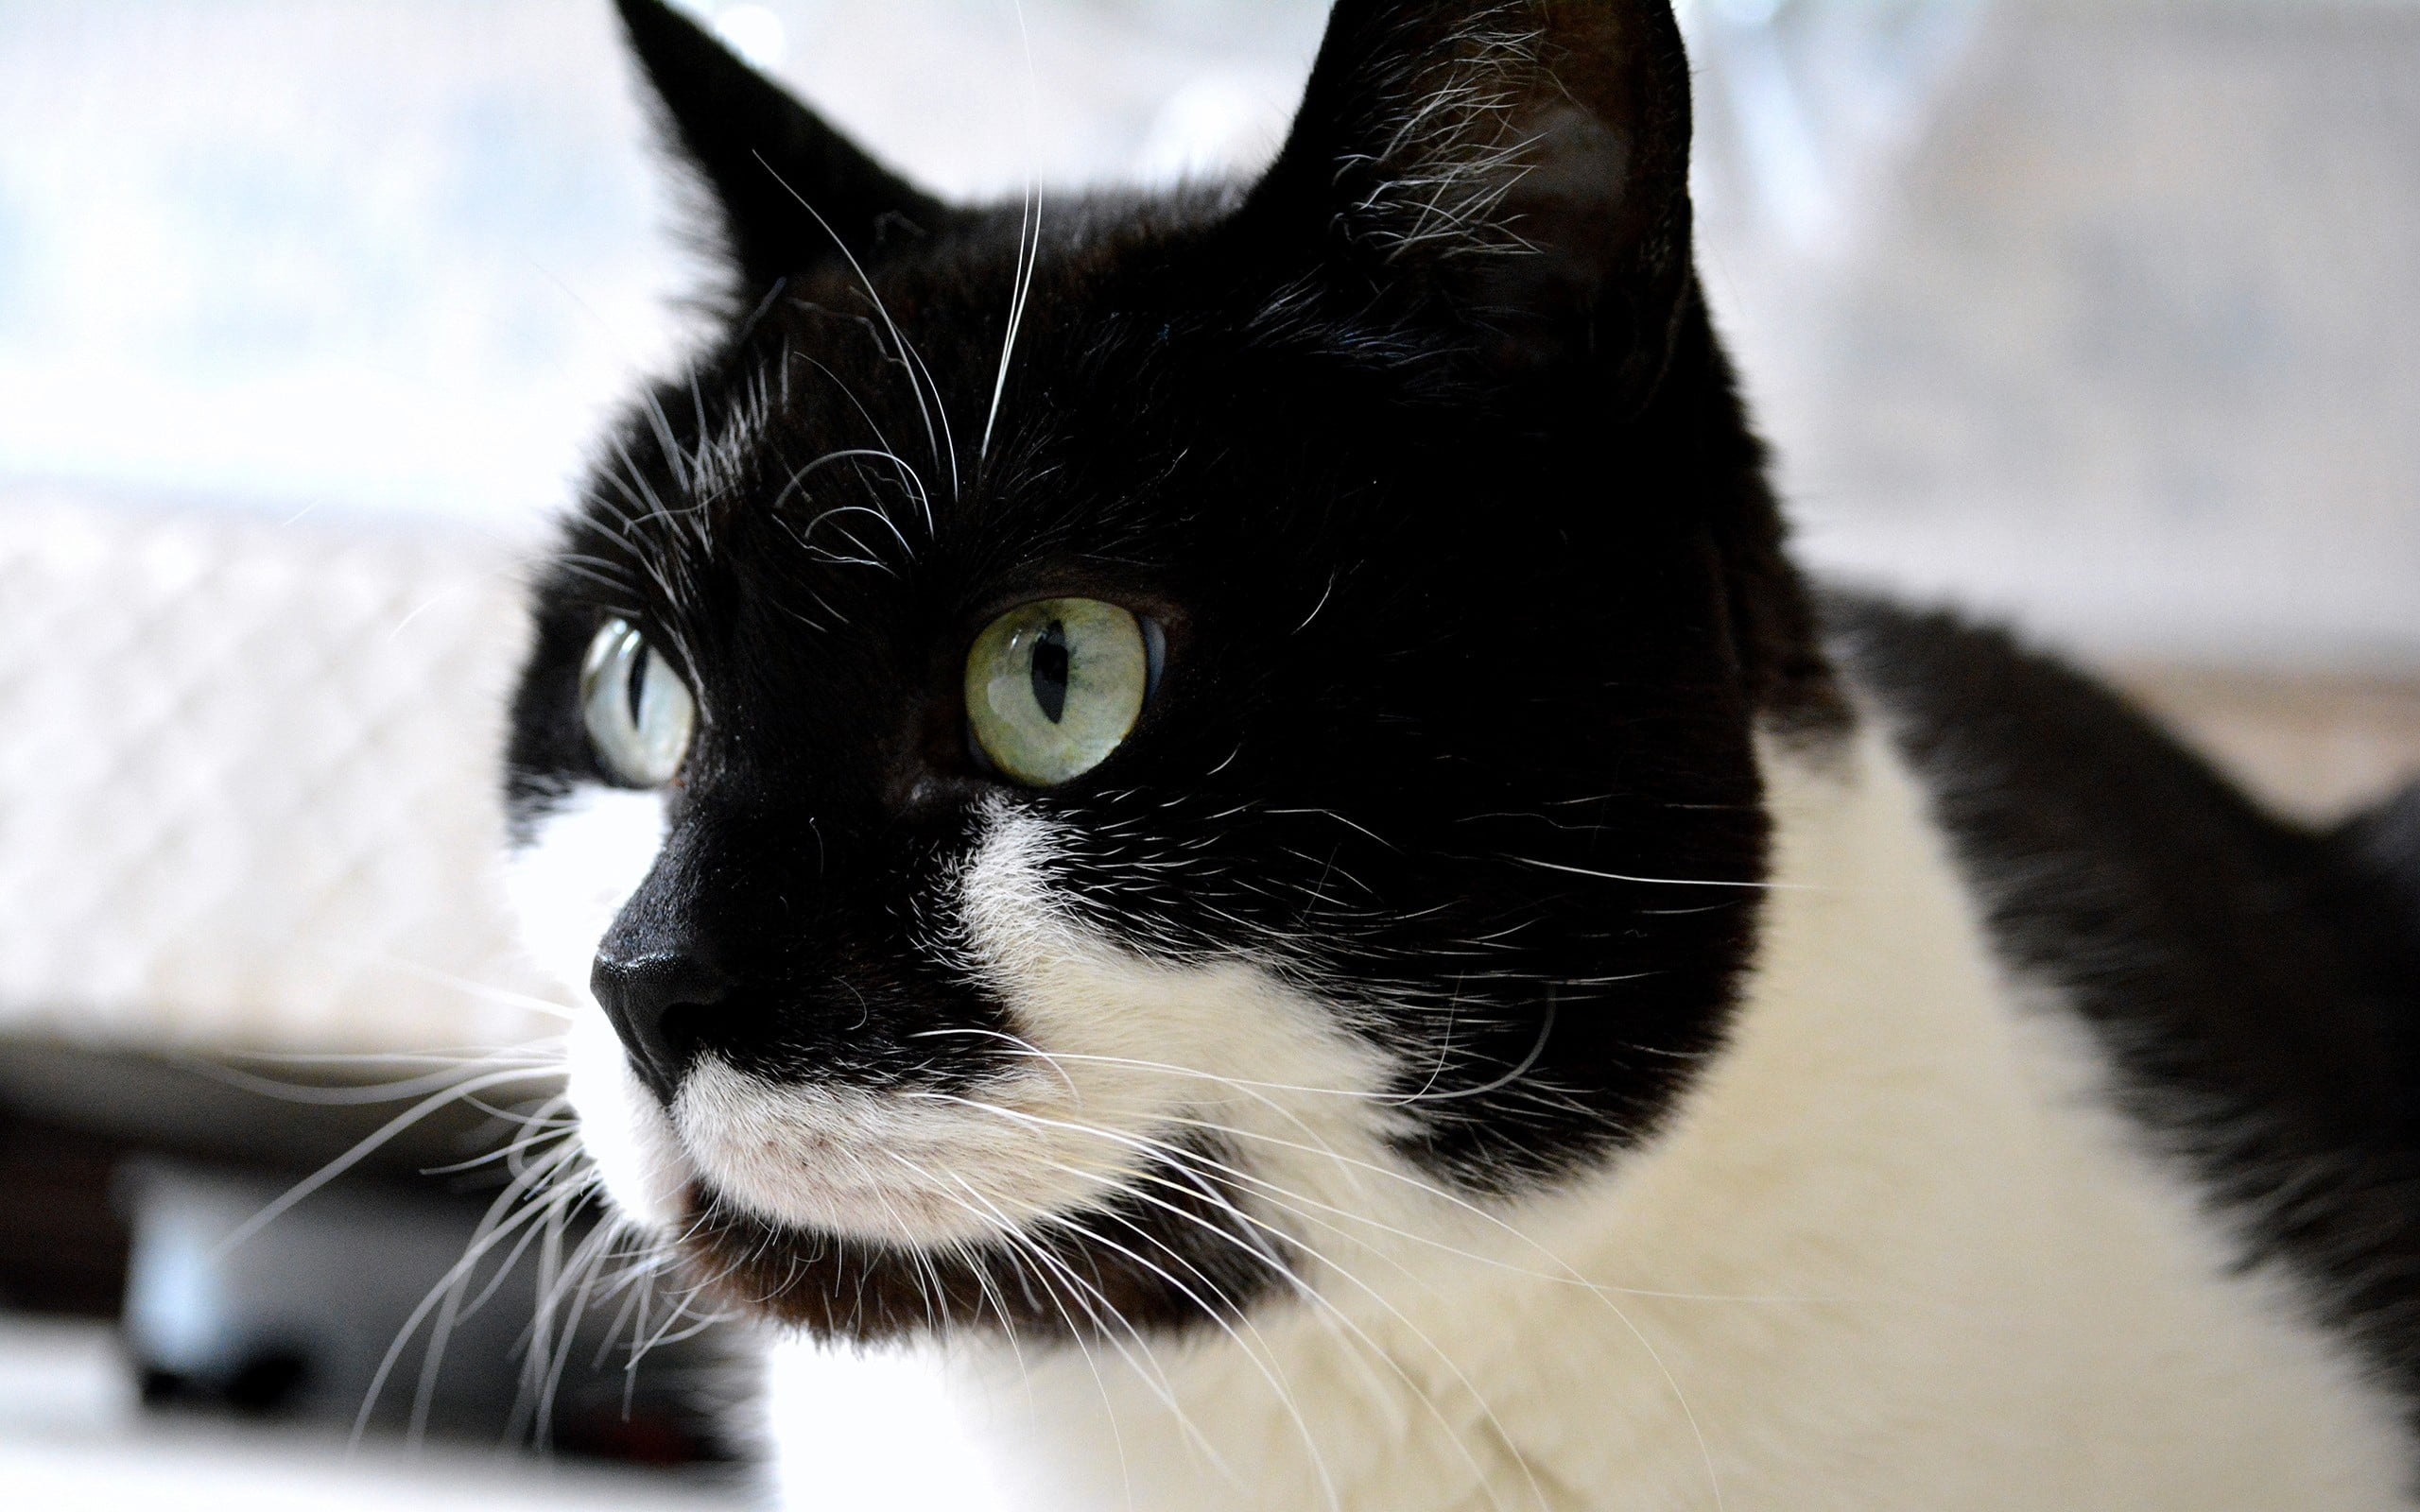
<point>2314,747</point>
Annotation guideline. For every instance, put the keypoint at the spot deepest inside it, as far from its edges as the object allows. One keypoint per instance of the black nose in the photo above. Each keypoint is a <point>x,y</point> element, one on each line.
<point>656,999</point>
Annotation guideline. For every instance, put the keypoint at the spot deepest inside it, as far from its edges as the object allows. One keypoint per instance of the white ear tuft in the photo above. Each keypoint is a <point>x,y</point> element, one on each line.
<point>1447,148</point>
<point>1517,172</point>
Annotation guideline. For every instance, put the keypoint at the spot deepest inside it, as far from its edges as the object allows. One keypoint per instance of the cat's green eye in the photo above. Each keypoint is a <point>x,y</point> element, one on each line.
<point>1053,687</point>
<point>638,711</point>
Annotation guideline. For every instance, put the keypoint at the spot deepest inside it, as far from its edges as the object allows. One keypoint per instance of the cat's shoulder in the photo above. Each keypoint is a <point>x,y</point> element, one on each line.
<point>2256,982</point>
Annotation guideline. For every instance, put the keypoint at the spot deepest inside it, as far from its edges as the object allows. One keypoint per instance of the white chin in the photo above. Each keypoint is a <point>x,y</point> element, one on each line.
<point>623,1127</point>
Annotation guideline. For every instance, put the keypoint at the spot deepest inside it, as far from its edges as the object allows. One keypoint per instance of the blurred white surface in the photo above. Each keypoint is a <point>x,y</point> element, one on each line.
<point>402,254</point>
<point>2100,312</point>
<point>2121,342</point>
<point>72,1435</point>
<point>300,254</point>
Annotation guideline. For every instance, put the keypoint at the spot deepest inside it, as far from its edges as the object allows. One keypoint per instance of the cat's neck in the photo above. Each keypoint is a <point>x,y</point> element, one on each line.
<point>1893,1242</point>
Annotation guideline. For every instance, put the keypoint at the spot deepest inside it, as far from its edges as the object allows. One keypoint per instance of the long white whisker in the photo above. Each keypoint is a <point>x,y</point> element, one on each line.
<point>1342,1319</point>
<point>364,1148</point>
<point>1086,1294</point>
<point>1675,882</point>
<point>369,1092</point>
<point>898,338</point>
<point>1331,1314</point>
<point>1028,220</point>
<point>476,1250</point>
<point>1566,1273</point>
<point>924,496</point>
<point>1600,1292</point>
<point>1262,1359</point>
<point>483,991</point>
<point>454,1309</point>
<point>1184,1161</point>
<point>1146,1369</point>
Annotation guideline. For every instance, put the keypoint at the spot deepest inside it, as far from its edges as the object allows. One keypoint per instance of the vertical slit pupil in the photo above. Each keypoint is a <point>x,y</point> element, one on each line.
<point>635,685</point>
<point>1050,671</point>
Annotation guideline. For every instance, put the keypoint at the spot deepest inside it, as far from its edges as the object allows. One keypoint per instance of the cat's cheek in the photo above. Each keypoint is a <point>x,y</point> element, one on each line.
<point>582,862</point>
<point>1135,1033</point>
<point>622,1129</point>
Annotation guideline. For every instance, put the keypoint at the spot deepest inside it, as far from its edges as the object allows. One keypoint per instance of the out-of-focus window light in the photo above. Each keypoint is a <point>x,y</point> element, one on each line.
<point>755,33</point>
<point>402,254</point>
<point>2100,314</point>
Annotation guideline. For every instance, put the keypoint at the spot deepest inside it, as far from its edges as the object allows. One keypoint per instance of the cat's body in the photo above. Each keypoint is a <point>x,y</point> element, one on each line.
<point>1520,1009</point>
<point>1904,1247</point>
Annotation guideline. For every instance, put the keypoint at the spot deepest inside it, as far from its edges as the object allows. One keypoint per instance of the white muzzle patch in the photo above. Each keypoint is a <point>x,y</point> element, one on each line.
<point>1110,1057</point>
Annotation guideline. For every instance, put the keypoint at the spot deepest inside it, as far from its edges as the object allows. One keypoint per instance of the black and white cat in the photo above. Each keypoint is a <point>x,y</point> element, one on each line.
<point>1218,821</point>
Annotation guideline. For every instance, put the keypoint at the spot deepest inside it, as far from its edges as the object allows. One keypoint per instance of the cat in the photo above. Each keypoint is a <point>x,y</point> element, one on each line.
<point>1217,822</point>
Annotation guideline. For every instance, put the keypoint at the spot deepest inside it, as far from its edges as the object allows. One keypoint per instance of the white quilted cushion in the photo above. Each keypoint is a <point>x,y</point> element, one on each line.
<point>249,770</point>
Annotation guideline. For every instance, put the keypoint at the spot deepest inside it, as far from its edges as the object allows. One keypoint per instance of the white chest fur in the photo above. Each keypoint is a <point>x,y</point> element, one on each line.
<point>1893,1252</point>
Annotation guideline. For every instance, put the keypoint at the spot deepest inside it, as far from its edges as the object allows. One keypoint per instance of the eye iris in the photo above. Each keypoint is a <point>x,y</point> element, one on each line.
<point>1050,672</point>
<point>638,711</point>
<point>1053,687</point>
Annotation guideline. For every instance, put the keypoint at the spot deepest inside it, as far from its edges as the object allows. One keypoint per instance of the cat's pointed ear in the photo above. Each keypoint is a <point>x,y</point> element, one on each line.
<point>793,192</point>
<point>1518,170</point>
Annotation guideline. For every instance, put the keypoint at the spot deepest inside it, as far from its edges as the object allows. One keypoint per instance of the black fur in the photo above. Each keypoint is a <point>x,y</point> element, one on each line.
<point>2385,843</point>
<point>764,160</point>
<point>1473,590</point>
<point>2257,985</point>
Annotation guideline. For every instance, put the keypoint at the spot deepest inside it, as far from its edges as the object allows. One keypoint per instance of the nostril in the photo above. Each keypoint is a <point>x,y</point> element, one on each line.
<point>653,1000</point>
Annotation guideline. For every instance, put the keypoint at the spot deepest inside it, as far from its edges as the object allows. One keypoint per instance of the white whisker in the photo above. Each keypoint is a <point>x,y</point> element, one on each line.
<point>898,338</point>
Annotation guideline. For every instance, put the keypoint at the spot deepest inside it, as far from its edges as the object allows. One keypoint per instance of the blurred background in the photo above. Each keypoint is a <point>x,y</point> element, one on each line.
<point>2102,316</point>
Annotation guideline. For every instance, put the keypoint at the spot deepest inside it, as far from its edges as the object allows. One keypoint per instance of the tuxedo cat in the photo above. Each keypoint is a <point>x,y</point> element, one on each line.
<point>1217,822</point>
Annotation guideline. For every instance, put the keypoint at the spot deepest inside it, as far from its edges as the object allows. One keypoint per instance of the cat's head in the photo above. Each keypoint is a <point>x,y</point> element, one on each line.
<point>1078,732</point>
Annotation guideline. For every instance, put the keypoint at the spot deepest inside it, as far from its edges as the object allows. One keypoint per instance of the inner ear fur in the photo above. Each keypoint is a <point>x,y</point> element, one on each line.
<point>1518,170</point>
<point>794,194</point>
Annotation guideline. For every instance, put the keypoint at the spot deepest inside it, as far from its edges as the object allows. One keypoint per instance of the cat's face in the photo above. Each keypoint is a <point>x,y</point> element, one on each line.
<point>1052,750</point>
